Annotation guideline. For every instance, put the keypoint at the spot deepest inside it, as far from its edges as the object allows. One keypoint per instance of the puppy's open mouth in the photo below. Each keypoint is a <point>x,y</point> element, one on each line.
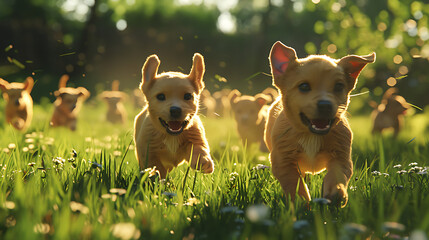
<point>317,126</point>
<point>173,127</point>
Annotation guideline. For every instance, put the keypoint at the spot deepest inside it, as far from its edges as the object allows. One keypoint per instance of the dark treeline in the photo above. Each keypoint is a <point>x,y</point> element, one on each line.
<point>98,41</point>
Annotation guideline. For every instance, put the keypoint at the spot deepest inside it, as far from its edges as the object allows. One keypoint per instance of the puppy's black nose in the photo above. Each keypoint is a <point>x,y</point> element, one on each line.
<point>324,107</point>
<point>175,112</point>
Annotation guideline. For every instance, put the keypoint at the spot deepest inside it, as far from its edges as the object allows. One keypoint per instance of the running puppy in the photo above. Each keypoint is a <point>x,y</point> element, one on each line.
<point>168,131</point>
<point>19,106</point>
<point>250,113</point>
<point>390,113</point>
<point>67,105</point>
<point>307,130</point>
<point>116,112</point>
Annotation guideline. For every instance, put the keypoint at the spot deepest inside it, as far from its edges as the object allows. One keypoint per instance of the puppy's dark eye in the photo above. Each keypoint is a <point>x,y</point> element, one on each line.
<point>187,96</point>
<point>304,87</point>
<point>339,87</point>
<point>160,97</point>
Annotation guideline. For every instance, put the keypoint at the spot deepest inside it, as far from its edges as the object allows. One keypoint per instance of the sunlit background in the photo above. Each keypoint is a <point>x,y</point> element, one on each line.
<point>98,41</point>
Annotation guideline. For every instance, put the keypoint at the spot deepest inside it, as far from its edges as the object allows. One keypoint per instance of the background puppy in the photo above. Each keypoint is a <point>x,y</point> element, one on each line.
<point>269,91</point>
<point>67,105</point>
<point>390,113</point>
<point>250,114</point>
<point>116,112</point>
<point>223,107</point>
<point>208,104</point>
<point>307,131</point>
<point>19,107</point>
<point>169,131</point>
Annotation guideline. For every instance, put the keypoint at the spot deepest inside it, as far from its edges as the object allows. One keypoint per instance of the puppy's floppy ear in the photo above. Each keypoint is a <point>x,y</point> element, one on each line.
<point>233,95</point>
<point>28,84</point>
<point>4,85</point>
<point>149,71</point>
<point>353,65</point>
<point>281,58</point>
<point>197,71</point>
<point>84,92</point>
<point>262,99</point>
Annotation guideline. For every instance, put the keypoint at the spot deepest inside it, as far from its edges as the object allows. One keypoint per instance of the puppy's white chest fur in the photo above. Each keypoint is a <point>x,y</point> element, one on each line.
<point>311,144</point>
<point>172,143</point>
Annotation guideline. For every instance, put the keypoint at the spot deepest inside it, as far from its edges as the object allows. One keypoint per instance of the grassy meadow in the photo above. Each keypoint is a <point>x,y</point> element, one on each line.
<point>58,184</point>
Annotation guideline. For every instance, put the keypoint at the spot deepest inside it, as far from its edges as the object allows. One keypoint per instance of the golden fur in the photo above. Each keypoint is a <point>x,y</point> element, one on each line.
<point>116,112</point>
<point>165,136</point>
<point>68,104</point>
<point>250,114</point>
<point>19,106</point>
<point>307,131</point>
<point>389,113</point>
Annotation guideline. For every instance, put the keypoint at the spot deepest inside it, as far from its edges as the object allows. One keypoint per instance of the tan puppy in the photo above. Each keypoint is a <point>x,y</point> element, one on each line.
<point>168,131</point>
<point>307,130</point>
<point>223,107</point>
<point>250,114</point>
<point>68,104</point>
<point>19,107</point>
<point>390,113</point>
<point>116,112</point>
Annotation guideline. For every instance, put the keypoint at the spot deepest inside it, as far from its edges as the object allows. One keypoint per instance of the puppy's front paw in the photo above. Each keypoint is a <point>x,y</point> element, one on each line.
<point>337,194</point>
<point>205,164</point>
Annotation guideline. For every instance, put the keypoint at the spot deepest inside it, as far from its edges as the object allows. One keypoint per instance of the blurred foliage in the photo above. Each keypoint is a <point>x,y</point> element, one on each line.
<point>97,41</point>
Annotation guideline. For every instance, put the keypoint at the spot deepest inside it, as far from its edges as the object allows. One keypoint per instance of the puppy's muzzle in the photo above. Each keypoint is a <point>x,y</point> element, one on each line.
<point>324,108</point>
<point>175,112</point>
<point>323,122</point>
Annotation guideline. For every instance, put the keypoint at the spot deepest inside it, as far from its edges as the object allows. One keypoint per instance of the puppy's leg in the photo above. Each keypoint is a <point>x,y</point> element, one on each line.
<point>285,169</point>
<point>340,170</point>
<point>336,180</point>
<point>201,159</point>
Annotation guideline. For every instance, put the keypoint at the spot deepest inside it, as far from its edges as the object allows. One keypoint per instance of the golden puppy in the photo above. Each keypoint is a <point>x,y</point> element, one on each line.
<point>307,130</point>
<point>168,131</point>
<point>250,114</point>
<point>67,105</point>
<point>116,112</point>
<point>223,107</point>
<point>390,113</point>
<point>19,107</point>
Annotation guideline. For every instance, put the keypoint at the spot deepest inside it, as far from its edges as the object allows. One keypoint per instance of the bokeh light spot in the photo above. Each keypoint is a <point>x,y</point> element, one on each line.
<point>121,25</point>
<point>391,81</point>
<point>397,59</point>
<point>403,70</point>
<point>332,48</point>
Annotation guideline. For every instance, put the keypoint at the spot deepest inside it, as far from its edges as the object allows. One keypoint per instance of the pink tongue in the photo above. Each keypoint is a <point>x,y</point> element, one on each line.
<point>175,125</point>
<point>320,123</point>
